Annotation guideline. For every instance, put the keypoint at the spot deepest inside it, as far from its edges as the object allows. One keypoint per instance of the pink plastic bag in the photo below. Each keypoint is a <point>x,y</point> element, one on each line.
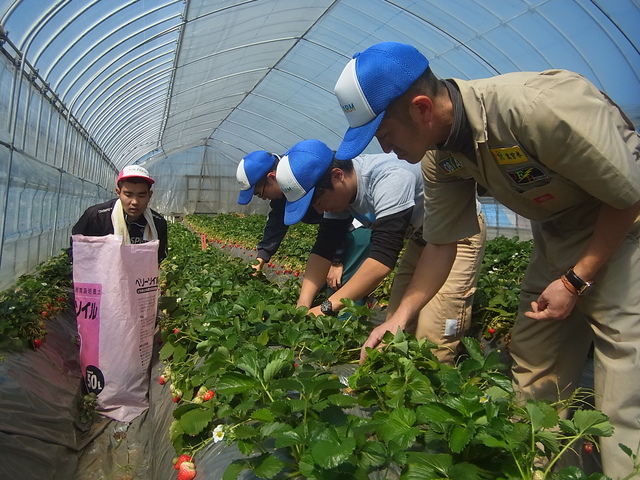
<point>116,300</point>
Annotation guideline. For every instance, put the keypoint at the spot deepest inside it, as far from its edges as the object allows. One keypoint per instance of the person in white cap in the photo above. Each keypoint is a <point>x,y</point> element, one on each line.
<point>387,196</point>
<point>553,148</point>
<point>128,215</point>
<point>256,176</point>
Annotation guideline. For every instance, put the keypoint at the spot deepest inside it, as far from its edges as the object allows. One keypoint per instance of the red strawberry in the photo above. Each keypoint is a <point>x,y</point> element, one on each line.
<point>208,395</point>
<point>492,331</point>
<point>44,313</point>
<point>181,458</point>
<point>162,380</point>
<point>37,342</point>
<point>588,447</point>
<point>277,272</point>
<point>176,399</point>
<point>187,471</point>
<point>176,330</point>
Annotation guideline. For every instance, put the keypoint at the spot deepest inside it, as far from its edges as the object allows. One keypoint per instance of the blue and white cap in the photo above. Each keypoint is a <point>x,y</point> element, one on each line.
<point>251,170</point>
<point>298,172</point>
<point>368,84</point>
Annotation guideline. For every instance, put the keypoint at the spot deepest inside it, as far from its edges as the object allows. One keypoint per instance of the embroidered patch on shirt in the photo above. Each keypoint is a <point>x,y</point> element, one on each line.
<point>524,176</point>
<point>509,155</point>
<point>449,165</point>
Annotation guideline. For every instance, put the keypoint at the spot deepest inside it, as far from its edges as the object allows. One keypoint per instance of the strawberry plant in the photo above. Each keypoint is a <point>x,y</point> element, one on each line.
<point>32,301</point>
<point>279,400</point>
<point>495,302</point>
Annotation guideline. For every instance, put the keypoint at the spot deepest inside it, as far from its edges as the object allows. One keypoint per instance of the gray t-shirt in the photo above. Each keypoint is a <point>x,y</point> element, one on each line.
<point>386,185</point>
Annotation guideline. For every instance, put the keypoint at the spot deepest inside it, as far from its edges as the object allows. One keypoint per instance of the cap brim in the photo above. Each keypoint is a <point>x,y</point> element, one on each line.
<point>148,179</point>
<point>356,139</point>
<point>295,211</point>
<point>246,195</point>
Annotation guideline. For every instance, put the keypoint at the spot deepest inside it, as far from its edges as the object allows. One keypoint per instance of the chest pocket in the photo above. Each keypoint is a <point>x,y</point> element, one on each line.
<point>534,186</point>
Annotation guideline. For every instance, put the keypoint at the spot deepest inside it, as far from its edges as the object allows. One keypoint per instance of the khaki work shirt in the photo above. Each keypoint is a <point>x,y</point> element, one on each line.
<point>548,144</point>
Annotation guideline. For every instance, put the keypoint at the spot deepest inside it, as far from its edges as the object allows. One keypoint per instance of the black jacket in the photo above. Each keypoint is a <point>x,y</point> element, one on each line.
<point>275,229</point>
<point>96,222</point>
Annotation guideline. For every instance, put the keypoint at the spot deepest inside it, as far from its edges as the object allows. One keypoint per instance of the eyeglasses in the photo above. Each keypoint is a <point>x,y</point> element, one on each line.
<point>261,185</point>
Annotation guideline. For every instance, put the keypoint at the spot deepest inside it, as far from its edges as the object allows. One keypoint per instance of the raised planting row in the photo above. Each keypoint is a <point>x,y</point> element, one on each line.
<point>248,370</point>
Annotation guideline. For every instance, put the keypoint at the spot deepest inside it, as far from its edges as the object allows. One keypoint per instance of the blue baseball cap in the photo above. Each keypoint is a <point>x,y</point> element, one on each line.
<point>298,172</point>
<point>368,84</point>
<point>251,170</point>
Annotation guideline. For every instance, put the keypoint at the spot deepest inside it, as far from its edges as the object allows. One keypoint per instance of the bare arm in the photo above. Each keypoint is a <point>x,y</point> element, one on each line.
<point>556,302</point>
<point>431,272</point>
<point>315,274</point>
<point>363,282</point>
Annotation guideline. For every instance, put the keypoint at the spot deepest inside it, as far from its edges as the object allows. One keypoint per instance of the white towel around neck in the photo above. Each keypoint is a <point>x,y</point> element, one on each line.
<point>120,224</point>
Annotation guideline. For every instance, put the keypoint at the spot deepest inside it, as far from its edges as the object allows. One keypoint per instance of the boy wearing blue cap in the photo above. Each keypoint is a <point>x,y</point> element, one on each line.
<point>551,147</point>
<point>387,196</point>
<point>256,175</point>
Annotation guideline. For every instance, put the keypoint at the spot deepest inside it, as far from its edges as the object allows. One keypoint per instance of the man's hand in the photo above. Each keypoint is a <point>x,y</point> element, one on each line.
<point>315,311</point>
<point>334,277</point>
<point>555,303</point>
<point>258,266</point>
<point>375,337</point>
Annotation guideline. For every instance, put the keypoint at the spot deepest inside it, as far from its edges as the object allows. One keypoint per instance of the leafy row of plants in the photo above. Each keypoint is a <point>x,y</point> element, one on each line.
<point>496,300</point>
<point>26,307</point>
<point>248,368</point>
<point>245,231</point>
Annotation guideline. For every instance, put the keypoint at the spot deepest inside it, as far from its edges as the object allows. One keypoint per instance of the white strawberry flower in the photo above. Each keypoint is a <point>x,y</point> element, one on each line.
<point>218,433</point>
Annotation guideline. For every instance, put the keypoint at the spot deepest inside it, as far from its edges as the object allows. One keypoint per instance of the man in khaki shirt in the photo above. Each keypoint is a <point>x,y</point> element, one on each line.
<point>552,148</point>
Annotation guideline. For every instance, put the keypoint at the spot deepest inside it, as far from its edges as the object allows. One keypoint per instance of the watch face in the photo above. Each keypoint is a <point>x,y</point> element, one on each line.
<point>326,307</point>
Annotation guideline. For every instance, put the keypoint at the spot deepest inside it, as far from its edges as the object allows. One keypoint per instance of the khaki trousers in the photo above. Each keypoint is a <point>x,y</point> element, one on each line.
<point>549,356</point>
<point>447,317</point>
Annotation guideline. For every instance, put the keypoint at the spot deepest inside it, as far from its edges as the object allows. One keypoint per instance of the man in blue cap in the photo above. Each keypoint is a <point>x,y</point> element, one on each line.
<point>553,148</point>
<point>387,196</point>
<point>256,175</point>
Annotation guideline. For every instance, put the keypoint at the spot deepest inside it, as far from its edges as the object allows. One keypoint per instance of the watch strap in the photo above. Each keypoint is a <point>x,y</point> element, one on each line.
<point>576,282</point>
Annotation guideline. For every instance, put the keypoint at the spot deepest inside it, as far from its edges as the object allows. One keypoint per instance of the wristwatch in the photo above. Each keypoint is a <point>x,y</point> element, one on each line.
<point>327,308</point>
<point>582,287</point>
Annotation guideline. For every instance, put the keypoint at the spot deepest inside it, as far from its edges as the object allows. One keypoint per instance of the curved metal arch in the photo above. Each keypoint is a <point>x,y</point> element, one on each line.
<point>110,120</point>
<point>99,41</point>
<point>472,52</point>
<point>124,139</point>
<point>89,93</point>
<point>107,125</point>
<point>59,32</point>
<point>38,25</point>
<point>125,155</point>
<point>129,85</point>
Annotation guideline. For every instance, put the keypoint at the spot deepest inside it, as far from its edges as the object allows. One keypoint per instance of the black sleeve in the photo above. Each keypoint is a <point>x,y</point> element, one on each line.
<point>161,228</point>
<point>332,234</point>
<point>387,237</point>
<point>274,230</point>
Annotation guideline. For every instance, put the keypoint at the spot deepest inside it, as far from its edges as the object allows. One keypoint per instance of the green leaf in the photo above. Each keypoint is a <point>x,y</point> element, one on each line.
<point>460,437</point>
<point>195,421</point>
<point>329,454</point>
<point>542,415</point>
<point>592,422</point>
<point>231,383</point>
<point>166,351</point>
<point>267,466</point>
<point>263,415</point>
<point>232,472</point>
<point>280,359</point>
<point>473,348</point>
<point>245,432</point>
<point>342,400</point>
